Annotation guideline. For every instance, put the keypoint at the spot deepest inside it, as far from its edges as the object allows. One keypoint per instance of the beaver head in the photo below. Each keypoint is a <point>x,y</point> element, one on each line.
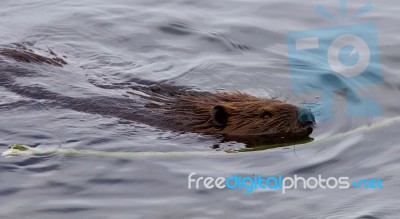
<point>241,117</point>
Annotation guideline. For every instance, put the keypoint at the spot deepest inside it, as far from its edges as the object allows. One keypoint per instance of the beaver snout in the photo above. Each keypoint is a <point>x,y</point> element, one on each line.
<point>305,116</point>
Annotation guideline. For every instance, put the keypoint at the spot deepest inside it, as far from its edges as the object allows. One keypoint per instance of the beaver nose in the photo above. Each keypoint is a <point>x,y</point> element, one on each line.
<point>305,115</point>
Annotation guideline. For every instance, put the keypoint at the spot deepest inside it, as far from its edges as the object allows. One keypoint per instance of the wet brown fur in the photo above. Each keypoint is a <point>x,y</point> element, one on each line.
<point>22,55</point>
<point>248,117</point>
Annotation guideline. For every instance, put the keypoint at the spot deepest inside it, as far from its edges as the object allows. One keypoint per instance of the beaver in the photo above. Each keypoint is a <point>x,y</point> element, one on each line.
<point>235,116</point>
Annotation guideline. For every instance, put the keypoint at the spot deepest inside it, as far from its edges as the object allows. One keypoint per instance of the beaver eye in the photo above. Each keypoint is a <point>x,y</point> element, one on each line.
<point>266,115</point>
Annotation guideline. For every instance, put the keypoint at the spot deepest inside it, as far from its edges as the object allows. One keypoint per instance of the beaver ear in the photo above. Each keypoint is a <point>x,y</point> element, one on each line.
<point>219,116</point>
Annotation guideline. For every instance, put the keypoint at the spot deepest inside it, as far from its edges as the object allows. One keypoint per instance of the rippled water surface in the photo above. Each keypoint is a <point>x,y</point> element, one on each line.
<point>202,45</point>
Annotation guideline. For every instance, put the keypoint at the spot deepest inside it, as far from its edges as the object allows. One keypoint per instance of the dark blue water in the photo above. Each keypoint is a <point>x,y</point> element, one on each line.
<point>203,45</point>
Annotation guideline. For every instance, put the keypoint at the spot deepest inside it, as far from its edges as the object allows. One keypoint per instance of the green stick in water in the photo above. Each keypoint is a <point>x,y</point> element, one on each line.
<point>24,150</point>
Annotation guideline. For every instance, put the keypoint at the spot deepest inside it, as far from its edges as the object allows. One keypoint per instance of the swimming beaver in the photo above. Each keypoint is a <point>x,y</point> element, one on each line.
<point>236,116</point>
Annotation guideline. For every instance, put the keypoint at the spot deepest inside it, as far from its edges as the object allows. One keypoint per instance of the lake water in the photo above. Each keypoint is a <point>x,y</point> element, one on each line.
<point>203,45</point>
